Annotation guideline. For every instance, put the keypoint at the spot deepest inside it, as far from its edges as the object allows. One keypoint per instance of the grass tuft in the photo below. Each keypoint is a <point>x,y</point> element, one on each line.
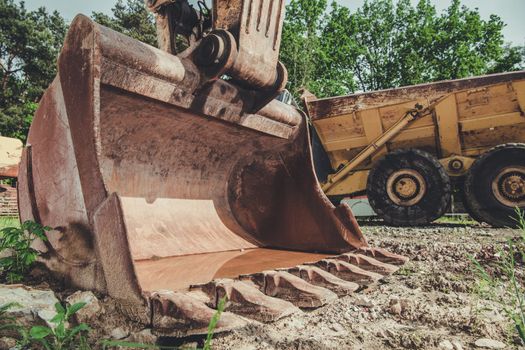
<point>501,283</point>
<point>9,221</point>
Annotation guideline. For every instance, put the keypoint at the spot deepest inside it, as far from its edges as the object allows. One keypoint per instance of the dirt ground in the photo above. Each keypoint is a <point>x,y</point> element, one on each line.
<point>431,303</point>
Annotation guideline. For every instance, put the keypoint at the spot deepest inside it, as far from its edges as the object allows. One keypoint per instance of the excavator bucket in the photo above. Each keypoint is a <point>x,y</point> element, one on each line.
<point>168,188</point>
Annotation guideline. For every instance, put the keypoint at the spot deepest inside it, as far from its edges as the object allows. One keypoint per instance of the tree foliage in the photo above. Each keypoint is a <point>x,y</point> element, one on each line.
<point>18,255</point>
<point>130,17</point>
<point>327,48</point>
<point>388,43</point>
<point>29,44</point>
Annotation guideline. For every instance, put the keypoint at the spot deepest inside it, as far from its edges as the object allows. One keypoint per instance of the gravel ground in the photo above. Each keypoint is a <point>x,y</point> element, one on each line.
<point>431,303</point>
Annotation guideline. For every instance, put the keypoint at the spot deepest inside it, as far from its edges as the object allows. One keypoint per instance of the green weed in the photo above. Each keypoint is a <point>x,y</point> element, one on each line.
<point>7,322</point>
<point>15,244</point>
<point>60,336</point>
<point>503,286</point>
<point>213,323</point>
<point>406,271</point>
<point>457,220</point>
<point>9,221</point>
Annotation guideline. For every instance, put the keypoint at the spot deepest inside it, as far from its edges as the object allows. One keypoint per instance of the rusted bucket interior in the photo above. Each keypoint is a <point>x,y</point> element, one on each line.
<point>157,274</point>
<point>172,170</point>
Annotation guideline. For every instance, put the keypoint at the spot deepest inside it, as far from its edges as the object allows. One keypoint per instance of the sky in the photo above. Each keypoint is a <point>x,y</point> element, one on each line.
<point>510,11</point>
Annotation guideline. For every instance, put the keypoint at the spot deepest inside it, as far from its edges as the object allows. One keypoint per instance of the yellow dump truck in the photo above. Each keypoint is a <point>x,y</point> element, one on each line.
<point>408,149</point>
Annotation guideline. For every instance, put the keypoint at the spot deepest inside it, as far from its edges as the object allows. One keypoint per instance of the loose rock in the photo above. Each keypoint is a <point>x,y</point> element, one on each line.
<point>457,345</point>
<point>446,345</point>
<point>363,301</point>
<point>119,333</point>
<point>395,307</point>
<point>337,328</point>
<point>487,343</point>
<point>144,336</point>
<point>7,343</point>
<point>33,305</point>
<point>92,309</point>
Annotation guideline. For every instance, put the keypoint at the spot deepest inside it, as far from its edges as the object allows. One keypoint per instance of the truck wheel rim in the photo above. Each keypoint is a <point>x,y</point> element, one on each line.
<point>406,187</point>
<point>509,186</point>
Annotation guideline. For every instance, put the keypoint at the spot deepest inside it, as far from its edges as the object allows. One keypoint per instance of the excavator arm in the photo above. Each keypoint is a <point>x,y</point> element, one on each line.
<point>238,39</point>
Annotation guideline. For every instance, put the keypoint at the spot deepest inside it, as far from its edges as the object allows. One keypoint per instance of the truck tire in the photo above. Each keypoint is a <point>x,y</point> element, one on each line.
<point>495,185</point>
<point>409,187</point>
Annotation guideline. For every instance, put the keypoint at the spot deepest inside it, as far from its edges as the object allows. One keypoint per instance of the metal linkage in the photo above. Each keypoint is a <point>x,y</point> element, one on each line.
<point>242,42</point>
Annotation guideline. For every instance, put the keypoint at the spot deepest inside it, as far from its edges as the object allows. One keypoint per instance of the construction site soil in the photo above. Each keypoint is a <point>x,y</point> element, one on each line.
<point>433,302</point>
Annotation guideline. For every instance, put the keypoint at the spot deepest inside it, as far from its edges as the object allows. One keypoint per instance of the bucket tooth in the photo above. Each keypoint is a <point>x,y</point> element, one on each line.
<point>368,263</point>
<point>284,285</point>
<point>181,314</point>
<point>202,296</point>
<point>247,300</point>
<point>320,277</point>
<point>348,271</point>
<point>383,255</point>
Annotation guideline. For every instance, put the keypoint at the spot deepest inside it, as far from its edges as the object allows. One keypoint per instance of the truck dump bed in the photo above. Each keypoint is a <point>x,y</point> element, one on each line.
<point>484,110</point>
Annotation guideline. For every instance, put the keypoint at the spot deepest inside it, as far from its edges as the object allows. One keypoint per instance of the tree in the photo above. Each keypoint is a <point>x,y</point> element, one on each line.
<point>130,18</point>
<point>29,44</point>
<point>513,58</point>
<point>327,49</point>
<point>300,41</point>
<point>386,44</point>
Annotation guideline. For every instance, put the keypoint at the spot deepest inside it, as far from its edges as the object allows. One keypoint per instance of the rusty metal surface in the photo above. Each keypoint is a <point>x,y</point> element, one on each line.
<point>328,107</point>
<point>243,43</point>
<point>201,268</point>
<point>157,161</point>
<point>259,41</point>
<point>189,179</point>
<point>247,300</point>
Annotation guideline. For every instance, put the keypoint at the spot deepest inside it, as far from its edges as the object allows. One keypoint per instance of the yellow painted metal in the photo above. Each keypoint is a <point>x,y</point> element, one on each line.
<point>373,127</point>
<point>341,127</point>
<point>519,88</point>
<point>353,183</point>
<point>406,187</point>
<point>345,144</point>
<point>415,133</point>
<point>454,146</point>
<point>356,181</point>
<point>470,117</point>
<point>447,121</point>
<point>492,121</point>
<point>448,164</point>
<point>372,148</point>
<point>362,141</point>
<point>475,152</point>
